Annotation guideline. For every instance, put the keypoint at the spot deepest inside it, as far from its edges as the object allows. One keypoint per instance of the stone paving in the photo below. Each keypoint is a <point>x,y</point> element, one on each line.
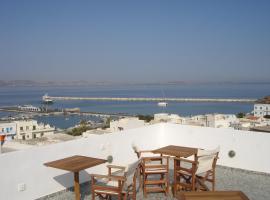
<point>255,185</point>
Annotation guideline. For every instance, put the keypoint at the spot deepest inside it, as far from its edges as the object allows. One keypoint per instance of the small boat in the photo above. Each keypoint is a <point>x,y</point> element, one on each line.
<point>162,104</point>
<point>47,99</point>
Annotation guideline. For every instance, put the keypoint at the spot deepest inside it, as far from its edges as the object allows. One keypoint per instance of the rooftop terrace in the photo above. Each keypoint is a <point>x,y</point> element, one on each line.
<point>248,170</point>
<point>254,185</point>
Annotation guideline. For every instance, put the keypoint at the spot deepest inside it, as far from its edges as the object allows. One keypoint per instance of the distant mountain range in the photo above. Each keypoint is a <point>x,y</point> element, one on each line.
<point>107,83</point>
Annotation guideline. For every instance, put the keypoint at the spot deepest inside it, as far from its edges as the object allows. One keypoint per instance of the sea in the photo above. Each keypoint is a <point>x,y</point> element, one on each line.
<point>11,95</point>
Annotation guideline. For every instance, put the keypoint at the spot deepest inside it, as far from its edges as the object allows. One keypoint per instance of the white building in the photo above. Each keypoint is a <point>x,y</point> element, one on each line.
<point>29,108</point>
<point>220,120</point>
<point>261,109</point>
<point>30,129</point>
<point>126,123</point>
<point>212,120</point>
<point>165,117</point>
<point>8,129</point>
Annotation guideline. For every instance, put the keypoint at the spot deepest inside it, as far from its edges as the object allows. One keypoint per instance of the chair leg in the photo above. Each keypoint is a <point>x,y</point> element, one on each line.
<point>125,196</point>
<point>168,184</point>
<point>119,196</point>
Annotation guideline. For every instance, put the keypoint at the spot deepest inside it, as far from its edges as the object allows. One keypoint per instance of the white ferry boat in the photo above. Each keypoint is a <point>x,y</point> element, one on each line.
<point>47,99</point>
<point>162,104</point>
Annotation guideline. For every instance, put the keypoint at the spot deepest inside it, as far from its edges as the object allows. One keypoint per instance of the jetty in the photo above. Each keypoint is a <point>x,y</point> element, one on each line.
<point>221,100</point>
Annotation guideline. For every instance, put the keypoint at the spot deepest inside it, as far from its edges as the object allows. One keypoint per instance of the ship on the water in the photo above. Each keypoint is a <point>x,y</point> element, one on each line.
<point>47,99</point>
<point>162,104</point>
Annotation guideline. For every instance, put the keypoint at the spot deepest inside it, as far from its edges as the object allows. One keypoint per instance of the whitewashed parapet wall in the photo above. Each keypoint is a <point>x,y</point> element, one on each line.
<point>251,148</point>
<point>27,167</point>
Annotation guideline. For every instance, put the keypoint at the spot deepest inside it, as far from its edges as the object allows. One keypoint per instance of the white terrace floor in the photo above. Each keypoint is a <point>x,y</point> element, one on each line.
<point>254,185</point>
<point>27,166</point>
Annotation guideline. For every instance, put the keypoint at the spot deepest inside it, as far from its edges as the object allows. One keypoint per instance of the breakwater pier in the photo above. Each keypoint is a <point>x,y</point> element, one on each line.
<point>221,100</point>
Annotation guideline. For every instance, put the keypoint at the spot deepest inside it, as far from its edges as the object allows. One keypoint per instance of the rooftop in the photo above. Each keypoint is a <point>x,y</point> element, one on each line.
<point>247,171</point>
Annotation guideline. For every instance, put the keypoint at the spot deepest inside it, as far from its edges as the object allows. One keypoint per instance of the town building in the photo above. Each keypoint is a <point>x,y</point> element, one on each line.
<point>262,107</point>
<point>126,123</point>
<point>260,110</point>
<point>165,117</point>
<point>29,108</point>
<point>212,120</point>
<point>30,129</point>
<point>8,129</point>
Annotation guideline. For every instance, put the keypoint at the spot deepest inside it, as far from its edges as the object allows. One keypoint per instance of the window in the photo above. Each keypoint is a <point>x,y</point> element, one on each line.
<point>21,128</point>
<point>261,108</point>
<point>34,127</point>
<point>10,128</point>
<point>27,127</point>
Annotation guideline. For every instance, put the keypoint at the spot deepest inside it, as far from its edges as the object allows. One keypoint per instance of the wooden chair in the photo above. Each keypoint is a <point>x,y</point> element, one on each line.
<point>193,174</point>
<point>142,154</point>
<point>120,181</point>
<point>155,174</point>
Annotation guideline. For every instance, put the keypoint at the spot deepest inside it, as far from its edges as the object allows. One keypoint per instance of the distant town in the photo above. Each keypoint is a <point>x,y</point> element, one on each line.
<point>24,132</point>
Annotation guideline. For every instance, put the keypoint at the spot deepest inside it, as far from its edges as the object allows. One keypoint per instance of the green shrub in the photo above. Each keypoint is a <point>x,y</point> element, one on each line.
<point>146,118</point>
<point>240,115</point>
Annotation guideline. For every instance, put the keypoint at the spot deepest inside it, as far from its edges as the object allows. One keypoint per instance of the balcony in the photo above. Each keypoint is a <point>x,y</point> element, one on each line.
<point>248,170</point>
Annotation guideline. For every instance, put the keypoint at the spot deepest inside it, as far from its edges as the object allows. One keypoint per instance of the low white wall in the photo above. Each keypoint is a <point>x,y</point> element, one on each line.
<point>251,148</point>
<point>26,166</point>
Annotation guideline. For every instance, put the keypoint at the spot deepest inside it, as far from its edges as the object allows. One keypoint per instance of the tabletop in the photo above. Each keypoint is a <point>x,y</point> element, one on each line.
<point>177,151</point>
<point>75,163</point>
<point>217,195</point>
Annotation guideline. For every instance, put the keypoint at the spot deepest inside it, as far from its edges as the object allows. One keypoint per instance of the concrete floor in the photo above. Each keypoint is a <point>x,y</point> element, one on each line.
<point>255,185</point>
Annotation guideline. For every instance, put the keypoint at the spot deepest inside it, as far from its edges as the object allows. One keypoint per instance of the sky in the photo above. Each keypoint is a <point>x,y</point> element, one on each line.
<point>135,41</point>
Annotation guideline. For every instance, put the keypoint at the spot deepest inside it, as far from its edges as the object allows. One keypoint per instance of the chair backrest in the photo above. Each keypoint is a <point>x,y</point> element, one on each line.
<point>130,172</point>
<point>137,149</point>
<point>202,152</point>
<point>206,160</point>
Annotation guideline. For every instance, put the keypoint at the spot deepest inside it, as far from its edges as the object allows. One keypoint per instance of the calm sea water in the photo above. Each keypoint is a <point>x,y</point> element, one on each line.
<point>32,95</point>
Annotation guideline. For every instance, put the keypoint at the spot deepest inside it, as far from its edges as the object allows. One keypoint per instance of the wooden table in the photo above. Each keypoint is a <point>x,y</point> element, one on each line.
<point>217,195</point>
<point>75,164</point>
<point>177,151</point>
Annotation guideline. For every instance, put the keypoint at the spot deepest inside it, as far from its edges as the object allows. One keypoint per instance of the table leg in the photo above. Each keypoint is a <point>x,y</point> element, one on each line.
<point>176,178</point>
<point>77,185</point>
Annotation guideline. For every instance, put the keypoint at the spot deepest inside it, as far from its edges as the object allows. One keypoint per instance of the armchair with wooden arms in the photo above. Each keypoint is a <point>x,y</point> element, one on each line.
<point>120,181</point>
<point>193,174</point>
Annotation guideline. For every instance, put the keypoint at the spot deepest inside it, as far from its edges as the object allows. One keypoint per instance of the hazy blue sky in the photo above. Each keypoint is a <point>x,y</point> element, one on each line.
<point>138,41</point>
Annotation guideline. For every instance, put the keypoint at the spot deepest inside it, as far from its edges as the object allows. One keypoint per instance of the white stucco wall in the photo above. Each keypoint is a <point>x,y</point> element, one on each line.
<point>251,148</point>
<point>27,167</point>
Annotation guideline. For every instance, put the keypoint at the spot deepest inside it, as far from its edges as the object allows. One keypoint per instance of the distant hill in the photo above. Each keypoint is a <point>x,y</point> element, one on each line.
<point>265,100</point>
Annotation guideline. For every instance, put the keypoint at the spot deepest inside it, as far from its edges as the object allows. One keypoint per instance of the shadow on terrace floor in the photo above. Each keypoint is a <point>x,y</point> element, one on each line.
<point>254,185</point>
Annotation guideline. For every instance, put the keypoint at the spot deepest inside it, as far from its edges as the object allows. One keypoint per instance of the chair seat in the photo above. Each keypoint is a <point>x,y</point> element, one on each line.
<point>106,192</point>
<point>106,182</point>
<point>157,171</point>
